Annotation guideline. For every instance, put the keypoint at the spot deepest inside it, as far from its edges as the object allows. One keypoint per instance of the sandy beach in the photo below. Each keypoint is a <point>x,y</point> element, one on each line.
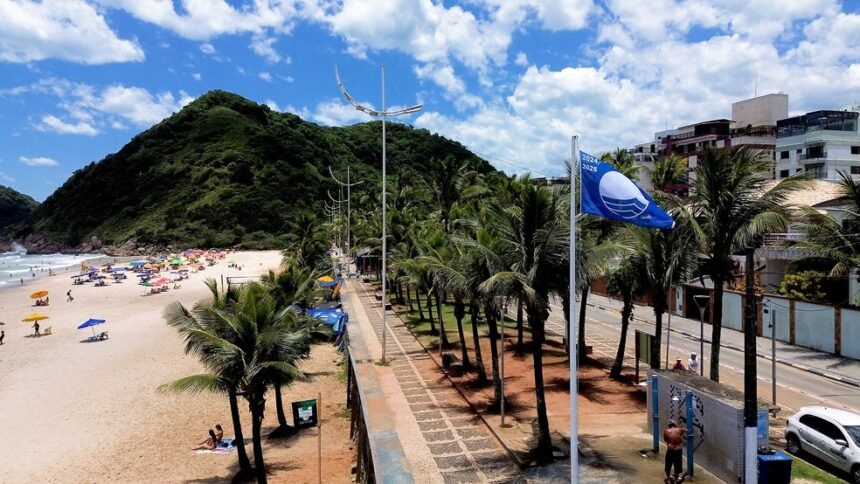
<point>73,411</point>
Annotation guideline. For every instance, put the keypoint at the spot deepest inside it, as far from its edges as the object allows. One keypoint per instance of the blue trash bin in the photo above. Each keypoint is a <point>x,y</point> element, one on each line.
<point>774,468</point>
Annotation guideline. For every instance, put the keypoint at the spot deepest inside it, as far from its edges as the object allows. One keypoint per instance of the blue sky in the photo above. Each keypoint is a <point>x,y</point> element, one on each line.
<point>510,79</point>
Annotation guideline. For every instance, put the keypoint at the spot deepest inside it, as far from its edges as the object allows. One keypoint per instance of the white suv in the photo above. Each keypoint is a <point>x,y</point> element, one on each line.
<point>830,434</point>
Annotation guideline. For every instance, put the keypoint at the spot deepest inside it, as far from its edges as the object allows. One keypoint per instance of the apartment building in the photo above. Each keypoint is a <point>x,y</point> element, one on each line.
<point>823,143</point>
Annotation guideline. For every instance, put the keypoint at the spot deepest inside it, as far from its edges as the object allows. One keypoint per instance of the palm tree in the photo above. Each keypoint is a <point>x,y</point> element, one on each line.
<point>625,281</point>
<point>668,171</point>
<point>835,244</point>
<point>735,205</point>
<point>199,330</point>
<point>252,341</point>
<point>534,241</point>
<point>445,266</point>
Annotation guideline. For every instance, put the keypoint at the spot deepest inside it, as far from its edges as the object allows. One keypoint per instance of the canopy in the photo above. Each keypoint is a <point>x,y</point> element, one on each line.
<point>34,317</point>
<point>330,317</point>
<point>329,283</point>
<point>91,322</point>
<point>325,279</point>
<point>38,294</point>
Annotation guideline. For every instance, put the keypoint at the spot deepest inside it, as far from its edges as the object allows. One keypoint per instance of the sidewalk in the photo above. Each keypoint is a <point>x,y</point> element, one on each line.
<point>443,439</point>
<point>838,368</point>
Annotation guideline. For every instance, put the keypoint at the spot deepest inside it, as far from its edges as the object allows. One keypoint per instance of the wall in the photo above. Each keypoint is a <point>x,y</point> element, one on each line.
<point>782,314</point>
<point>851,333</point>
<point>814,326</point>
<point>732,311</point>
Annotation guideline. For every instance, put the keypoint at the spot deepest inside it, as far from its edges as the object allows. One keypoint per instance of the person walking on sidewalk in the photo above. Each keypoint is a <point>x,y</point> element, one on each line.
<point>693,363</point>
<point>674,437</point>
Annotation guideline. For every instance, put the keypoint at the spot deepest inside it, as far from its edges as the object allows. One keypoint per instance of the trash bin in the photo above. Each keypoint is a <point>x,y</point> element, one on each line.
<point>774,468</point>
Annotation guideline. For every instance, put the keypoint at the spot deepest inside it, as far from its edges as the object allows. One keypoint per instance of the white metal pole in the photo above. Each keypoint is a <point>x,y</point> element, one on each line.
<point>502,382</point>
<point>574,424</point>
<point>773,350</point>
<point>348,219</point>
<point>384,222</point>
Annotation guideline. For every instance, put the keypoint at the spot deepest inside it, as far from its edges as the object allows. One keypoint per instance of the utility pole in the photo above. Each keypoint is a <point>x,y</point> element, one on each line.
<point>339,233</point>
<point>348,186</point>
<point>750,376</point>
<point>382,114</point>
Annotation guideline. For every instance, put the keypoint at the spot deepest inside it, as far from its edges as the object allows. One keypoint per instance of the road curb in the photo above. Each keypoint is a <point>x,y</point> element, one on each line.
<point>798,366</point>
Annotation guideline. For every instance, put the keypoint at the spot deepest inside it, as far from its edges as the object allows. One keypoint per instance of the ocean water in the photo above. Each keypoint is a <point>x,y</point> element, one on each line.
<point>17,265</point>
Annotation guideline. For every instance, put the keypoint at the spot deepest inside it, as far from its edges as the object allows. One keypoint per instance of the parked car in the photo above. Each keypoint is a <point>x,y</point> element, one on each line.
<point>830,434</point>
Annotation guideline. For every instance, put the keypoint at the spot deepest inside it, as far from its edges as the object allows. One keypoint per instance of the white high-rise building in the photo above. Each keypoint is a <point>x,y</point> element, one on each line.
<point>823,143</point>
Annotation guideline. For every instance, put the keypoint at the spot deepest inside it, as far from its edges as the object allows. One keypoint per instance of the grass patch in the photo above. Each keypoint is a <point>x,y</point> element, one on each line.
<point>800,469</point>
<point>383,363</point>
<point>342,412</point>
<point>429,338</point>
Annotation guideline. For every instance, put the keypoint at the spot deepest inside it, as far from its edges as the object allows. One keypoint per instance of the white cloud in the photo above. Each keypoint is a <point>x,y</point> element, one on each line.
<point>265,76</point>
<point>70,30</point>
<point>197,76</point>
<point>263,46</point>
<point>56,125</point>
<point>207,48</point>
<point>6,177</point>
<point>521,59</point>
<point>206,19</point>
<point>38,161</point>
<point>335,112</point>
<point>272,105</point>
<point>138,105</point>
<point>442,75</point>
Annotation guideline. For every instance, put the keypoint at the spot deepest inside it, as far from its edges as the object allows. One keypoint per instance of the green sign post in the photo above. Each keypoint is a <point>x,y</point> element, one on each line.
<point>305,413</point>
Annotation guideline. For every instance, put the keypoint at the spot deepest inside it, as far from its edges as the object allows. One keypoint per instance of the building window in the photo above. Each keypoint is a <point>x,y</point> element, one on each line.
<point>855,150</point>
<point>784,173</point>
<point>855,170</point>
<point>783,155</point>
<point>799,151</point>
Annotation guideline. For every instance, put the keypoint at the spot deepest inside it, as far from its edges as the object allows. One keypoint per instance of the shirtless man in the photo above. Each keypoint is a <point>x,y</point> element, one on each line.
<point>674,437</point>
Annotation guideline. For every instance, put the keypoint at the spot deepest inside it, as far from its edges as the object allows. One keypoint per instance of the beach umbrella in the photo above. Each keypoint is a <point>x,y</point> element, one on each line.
<point>137,263</point>
<point>38,294</point>
<point>34,317</point>
<point>91,323</point>
<point>325,279</point>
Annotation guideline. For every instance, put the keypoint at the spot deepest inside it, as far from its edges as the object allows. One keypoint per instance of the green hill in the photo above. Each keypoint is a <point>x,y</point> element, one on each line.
<point>15,207</point>
<point>226,171</point>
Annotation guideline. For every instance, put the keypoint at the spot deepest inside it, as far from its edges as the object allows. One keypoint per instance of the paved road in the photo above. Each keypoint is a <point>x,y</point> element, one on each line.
<point>795,388</point>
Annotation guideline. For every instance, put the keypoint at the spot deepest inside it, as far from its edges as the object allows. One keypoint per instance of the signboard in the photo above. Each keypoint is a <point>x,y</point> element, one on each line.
<point>305,413</point>
<point>643,343</point>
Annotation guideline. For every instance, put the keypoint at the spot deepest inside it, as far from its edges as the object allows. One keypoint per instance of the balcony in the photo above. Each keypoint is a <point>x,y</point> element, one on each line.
<point>815,155</point>
<point>779,246</point>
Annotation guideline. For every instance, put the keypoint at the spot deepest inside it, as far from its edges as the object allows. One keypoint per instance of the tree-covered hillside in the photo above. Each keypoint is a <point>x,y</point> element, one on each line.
<point>15,207</point>
<point>226,171</point>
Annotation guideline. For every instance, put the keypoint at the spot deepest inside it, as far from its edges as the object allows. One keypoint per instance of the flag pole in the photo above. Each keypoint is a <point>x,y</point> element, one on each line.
<point>574,424</point>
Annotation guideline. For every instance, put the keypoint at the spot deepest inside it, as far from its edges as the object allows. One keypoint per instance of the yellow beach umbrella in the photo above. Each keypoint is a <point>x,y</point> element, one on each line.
<point>34,317</point>
<point>325,279</point>
<point>38,294</point>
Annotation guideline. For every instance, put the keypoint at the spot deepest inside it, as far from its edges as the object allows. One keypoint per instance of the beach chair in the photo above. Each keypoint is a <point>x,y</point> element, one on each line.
<point>47,331</point>
<point>103,335</point>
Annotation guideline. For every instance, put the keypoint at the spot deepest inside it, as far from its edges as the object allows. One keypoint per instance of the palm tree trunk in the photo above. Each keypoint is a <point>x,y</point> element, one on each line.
<point>420,307</point>
<point>459,313</point>
<point>441,320</point>
<point>279,407</point>
<point>580,341</point>
<point>430,311</point>
<point>257,426</point>
<point>717,326</point>
<point>544,449</point>
<point>494,353</point>
<point>409,297</point>
<point>615,372</point>
<point>519,324</point>
<point>244,463</point>
<point>479,359</point>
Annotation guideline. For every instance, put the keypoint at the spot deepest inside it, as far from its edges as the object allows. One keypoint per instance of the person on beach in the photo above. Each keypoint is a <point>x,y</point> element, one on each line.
<point>674,437</point>
<point>2,336</point>
<point>208,444</point>
<point>69,297</point>
<point>219,434</point>
<point>36,327</point>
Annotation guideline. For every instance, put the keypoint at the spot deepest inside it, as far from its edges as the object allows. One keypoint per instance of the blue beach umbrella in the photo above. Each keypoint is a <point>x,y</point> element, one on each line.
<point>91,323</point>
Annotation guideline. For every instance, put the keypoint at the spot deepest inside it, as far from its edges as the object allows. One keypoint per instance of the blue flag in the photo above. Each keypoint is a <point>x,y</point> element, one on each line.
<point>608,193</point>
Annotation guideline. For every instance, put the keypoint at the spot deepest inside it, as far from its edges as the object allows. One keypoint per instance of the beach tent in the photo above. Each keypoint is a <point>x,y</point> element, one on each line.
<point>38,294</point>
<point>91,323</point>
<point>34,317</point>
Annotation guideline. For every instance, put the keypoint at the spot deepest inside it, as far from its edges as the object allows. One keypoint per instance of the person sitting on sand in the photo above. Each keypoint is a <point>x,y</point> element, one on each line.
<point>208,444</point>
<point>219,434</point>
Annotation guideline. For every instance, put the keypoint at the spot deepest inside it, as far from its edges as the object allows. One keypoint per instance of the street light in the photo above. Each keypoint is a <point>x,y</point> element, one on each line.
<point>702,302</point>
<point>348,186</point>
<point>771,311</point>
<point>382,114</point>
<point>504,304</point>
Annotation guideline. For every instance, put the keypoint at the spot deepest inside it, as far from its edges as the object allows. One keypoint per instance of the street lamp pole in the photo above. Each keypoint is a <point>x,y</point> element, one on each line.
<point>348,186</point>
<point>771,312</point>
<point>382,114</point>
